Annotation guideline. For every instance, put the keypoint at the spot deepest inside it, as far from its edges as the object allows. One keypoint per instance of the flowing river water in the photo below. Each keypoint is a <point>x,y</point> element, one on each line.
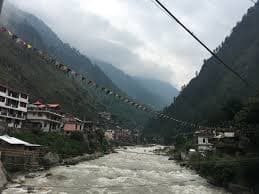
<point>134,170</point>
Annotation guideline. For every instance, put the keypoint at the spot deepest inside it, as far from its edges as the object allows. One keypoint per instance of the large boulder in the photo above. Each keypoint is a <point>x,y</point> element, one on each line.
<point>51,159</point>
<point>3,178</point>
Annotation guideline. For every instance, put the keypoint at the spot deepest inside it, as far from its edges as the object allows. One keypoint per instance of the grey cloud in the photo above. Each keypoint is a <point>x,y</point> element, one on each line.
<point>144,28</point>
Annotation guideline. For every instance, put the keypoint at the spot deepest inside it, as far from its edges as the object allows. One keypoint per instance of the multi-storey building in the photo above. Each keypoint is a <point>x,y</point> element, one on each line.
<point>13,106</point>
<point>45,117</point>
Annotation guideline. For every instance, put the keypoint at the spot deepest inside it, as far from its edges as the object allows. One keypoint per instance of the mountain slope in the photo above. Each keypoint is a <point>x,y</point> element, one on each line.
<point>33,30</point>
<point>204,97</point>
<point>155,93</point>
<point>164,90</point>
<point>131,86</point>
<point>22,69</point>
<point>76,99</point>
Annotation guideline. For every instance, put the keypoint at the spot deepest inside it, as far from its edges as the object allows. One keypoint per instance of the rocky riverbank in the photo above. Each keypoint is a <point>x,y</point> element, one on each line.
<point>221,171</point>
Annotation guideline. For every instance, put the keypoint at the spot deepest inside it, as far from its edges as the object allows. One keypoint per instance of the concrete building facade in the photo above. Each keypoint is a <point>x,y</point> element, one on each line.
<point>45,117</point>
<point>13,106</point>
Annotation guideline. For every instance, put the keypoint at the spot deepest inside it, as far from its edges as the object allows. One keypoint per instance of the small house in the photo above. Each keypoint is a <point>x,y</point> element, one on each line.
<point>18,154</point>
<point>203,140</point>
<point>72,124</point>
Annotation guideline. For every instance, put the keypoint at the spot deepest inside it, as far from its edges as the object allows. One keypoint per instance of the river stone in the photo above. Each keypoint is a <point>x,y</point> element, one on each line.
<point>51,159</point>
<point>3,179</point>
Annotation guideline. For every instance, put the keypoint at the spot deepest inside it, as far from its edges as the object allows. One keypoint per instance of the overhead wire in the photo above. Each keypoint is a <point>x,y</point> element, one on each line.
<point>228,67</point>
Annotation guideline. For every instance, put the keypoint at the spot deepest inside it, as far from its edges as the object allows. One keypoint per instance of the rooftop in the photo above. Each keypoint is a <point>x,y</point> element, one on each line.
<point>15,141</point>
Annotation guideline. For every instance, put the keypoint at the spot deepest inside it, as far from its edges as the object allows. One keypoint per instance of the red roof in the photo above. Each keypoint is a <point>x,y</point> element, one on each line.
<point>37,103</point>
<point>53,105</point>
<point>42,106</point>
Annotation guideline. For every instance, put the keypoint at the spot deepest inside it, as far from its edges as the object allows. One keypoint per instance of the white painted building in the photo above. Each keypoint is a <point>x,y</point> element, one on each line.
<point>44,117</point>
<point>204,144</point>
<point>203,138</point>
<point>13,106</point>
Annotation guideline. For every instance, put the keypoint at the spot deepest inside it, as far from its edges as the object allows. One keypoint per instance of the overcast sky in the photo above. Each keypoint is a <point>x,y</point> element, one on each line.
<point>137,36</point>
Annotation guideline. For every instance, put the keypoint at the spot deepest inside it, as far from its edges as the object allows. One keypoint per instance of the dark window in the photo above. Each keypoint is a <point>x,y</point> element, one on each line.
<point>2,89</point>
<point>22,104</point>
<point>24,96</point>
<point>203,140</point>
<point>2,99</point>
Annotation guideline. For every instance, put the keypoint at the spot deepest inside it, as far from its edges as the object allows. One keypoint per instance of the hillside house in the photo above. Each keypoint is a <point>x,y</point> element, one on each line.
<point>45,117</point>
<point>203,138</point>
<point>13,106</point>
<point>226,141</point>
<point>72,124</point>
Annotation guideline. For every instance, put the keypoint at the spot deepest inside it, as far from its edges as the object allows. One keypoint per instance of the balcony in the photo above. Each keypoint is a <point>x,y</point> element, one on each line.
<point>12,115</point>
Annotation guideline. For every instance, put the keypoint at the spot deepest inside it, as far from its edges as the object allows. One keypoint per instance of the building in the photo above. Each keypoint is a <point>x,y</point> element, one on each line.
<point>15,151</point>
<point>13,106</point>
<point>72,124</point>
<point>226,142</point>
<point>203,138</point>
<point>45,117</point>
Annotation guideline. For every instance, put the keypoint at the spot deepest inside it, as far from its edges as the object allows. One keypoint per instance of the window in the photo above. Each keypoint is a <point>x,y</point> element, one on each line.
<point>204,140</point>
<point>24,96</point>
<point>2,89</point>
<point>22,104</point>
<point>2,99</point>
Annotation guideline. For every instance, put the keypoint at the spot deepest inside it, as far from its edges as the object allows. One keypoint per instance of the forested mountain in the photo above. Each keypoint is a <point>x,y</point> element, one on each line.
<point>204,98</point>
<point>155,93</point>
<point>27,71</point>
<point>164,90</point>
<point>36,32</point>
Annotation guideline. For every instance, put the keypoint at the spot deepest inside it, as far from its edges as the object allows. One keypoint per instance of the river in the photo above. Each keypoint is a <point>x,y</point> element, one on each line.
<point>134,170</point>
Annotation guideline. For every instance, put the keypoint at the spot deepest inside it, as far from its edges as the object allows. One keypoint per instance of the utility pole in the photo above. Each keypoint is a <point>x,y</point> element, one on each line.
<point>1,5</point>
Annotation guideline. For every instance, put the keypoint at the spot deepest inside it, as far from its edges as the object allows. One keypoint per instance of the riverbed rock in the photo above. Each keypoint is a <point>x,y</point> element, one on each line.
<point>3,178</point>
<point>51,159</point>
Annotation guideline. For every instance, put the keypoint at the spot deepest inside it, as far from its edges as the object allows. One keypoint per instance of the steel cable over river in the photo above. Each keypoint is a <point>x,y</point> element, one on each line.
<point>123,172</point>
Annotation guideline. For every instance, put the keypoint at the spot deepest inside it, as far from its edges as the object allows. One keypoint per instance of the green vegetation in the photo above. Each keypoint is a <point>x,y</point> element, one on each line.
<point>66,146</point>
